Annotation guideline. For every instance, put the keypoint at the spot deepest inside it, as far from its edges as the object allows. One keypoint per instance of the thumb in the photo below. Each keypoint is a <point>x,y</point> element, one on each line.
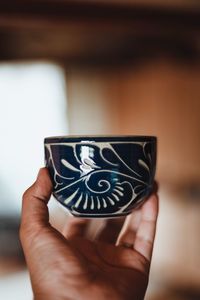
<point>35,213</point>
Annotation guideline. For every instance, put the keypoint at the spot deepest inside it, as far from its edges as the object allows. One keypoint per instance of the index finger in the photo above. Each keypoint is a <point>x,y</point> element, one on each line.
<point>145,234</point>
<point>139,228</point>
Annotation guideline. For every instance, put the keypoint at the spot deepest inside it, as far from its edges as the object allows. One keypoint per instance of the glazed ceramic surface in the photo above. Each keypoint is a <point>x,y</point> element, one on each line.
<point>101,176</point>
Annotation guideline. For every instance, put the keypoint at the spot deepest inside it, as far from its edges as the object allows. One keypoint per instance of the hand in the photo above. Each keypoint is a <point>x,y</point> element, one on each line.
<point>70,266</point>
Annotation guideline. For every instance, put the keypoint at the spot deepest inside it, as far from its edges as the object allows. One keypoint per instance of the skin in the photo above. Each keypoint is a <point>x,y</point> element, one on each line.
<point>72,266</point>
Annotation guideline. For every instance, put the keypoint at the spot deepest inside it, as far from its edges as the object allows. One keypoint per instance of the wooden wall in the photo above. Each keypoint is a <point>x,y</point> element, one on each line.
<point>159,98</point>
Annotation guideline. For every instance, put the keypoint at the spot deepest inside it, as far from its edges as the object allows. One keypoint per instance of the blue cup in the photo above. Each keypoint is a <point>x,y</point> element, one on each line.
<point>101,176</point>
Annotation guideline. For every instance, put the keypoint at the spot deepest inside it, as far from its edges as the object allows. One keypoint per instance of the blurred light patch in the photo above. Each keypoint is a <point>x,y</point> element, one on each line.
<point>21,287</point>
<point>32,106</point>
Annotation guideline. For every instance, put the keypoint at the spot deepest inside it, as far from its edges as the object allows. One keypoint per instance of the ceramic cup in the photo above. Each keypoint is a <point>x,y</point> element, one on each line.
<point>101,176</point>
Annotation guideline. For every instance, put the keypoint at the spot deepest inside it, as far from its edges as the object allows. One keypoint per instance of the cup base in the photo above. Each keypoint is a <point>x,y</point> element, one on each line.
<point>100,216</point>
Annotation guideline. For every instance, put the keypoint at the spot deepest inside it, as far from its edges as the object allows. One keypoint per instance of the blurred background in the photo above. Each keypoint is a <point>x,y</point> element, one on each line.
<point>104,67</point>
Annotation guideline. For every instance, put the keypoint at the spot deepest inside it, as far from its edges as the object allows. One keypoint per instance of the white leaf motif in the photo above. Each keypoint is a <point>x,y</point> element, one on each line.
<point>68,165</point>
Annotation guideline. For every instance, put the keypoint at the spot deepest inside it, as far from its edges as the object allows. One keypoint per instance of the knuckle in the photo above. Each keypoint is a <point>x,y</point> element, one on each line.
<point>27,194</point>
<point>24,196</point>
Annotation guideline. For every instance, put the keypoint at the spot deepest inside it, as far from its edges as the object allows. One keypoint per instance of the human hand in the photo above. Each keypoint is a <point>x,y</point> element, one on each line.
<point>71,266</point>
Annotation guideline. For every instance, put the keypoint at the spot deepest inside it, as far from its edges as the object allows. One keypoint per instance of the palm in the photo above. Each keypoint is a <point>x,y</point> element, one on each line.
<point>93,267</point>
<point>113,269</point>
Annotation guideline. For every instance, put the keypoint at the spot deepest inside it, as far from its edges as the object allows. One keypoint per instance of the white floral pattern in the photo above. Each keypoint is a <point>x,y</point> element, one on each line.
<point>101,178</point>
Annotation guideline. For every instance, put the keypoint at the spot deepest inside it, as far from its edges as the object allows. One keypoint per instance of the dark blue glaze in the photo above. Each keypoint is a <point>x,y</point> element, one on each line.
<point>101,176</point>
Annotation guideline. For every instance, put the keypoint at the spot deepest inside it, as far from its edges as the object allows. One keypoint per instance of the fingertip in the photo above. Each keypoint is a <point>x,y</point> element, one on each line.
<point>150,207</point>
<point>42,187</point>
<point>44,177</point>
<point>155,199</point>
<point>43,172</point>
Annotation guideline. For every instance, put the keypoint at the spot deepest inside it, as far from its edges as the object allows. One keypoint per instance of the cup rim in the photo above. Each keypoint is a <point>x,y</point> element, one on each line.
<point>100,138</point>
